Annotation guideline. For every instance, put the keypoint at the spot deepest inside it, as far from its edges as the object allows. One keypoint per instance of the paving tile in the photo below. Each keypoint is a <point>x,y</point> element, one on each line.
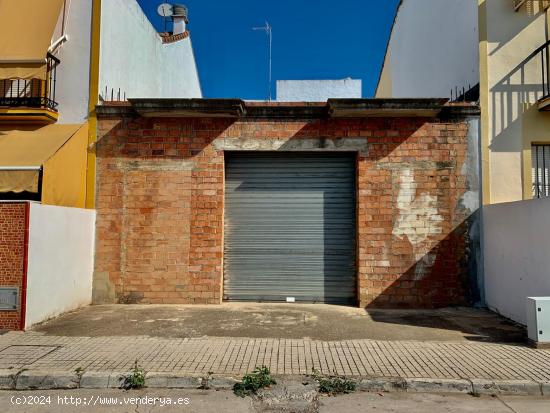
<point>236,356</point>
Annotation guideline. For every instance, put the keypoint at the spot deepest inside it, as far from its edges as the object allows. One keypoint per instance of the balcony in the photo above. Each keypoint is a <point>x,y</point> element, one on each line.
<point>30,98</point>
<point>543,52</point>
<point>543,4</point>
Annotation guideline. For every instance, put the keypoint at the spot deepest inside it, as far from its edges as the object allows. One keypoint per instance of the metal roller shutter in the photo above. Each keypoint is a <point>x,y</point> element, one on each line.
<point>290,227</point>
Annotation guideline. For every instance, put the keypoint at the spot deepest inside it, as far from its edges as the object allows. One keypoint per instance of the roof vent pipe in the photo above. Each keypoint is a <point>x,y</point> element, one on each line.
<point>180,18</point>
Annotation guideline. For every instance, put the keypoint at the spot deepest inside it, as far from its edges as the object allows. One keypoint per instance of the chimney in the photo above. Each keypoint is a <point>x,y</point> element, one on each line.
<point>180,18</point>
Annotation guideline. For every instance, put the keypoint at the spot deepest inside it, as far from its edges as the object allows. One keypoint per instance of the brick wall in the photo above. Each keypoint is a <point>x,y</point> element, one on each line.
<point>12,256</point>
<point>161,195</point>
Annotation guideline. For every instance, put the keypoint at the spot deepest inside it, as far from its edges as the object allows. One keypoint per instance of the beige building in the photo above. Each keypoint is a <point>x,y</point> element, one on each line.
<point>500,45</point>
<point>514,69</point>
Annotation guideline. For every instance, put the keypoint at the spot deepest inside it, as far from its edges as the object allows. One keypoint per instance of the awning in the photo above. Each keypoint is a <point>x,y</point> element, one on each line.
<point>23,153</point>
<point>25,36</point>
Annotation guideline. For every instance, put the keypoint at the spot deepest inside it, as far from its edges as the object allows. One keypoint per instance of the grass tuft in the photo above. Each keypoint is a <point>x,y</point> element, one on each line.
<point>134,380</point>
<point>334,385</point>
<point>251,383</point>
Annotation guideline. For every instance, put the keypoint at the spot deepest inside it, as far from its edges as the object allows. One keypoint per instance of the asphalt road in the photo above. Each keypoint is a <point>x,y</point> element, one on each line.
<point>168,401</point>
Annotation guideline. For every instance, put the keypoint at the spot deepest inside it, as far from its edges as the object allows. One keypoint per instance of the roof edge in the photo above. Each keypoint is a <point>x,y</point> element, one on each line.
<point>333,108</point>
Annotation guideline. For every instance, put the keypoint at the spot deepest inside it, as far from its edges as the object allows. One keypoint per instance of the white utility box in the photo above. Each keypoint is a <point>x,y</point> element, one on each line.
<point>538,319</point>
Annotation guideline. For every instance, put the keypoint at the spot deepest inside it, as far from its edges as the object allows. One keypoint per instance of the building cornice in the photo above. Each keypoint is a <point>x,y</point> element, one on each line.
<point>333,108</point>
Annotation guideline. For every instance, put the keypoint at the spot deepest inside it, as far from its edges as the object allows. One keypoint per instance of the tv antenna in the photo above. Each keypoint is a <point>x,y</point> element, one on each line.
<point>269,32</point>
<point>166,10</point>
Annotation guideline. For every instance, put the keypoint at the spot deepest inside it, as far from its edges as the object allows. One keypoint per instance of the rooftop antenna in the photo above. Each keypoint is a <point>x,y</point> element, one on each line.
<point>165,10</point>
<point>269,32</point>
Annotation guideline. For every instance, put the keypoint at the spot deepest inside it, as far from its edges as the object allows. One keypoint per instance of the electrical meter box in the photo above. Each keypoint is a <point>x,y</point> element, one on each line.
<point>538,319</point>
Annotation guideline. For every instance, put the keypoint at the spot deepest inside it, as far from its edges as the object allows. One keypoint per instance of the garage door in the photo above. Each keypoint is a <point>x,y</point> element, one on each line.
<point>290,227</point>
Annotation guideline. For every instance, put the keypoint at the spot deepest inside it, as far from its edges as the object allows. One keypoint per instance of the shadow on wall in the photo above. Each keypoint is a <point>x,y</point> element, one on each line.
<point>523,85</point>
<point>414,233</point>
<point>442,276</point>
<point>510,99</point>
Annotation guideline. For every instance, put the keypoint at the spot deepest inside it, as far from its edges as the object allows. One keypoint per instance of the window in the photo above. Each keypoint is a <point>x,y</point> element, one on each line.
<point>540,158</point>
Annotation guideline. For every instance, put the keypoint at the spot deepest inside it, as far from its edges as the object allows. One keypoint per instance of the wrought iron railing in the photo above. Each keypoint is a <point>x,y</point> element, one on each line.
<point>33,93</point>
<point>544,53</point>
<point>544,4</point>
<point>465,95</point>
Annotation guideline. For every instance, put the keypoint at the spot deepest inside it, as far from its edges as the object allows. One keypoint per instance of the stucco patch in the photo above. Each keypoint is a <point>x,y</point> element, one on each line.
<point>303,144</point>
<point>418,220</point>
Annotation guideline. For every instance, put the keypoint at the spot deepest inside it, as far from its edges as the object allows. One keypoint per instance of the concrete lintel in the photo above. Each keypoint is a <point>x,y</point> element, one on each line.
<point>365,108</point>
<point>174,108</point>
<point>115,110</point>
<point>293,145</point>
<point>298,110</point>
<point>419,165</point>
<point>460,111</point>
<point>155,165</point>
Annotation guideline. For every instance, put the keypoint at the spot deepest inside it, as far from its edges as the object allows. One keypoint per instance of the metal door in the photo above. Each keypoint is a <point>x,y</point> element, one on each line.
<point>290,227</point>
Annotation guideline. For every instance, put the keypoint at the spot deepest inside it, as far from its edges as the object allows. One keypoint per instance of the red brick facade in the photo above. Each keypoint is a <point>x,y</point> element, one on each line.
<point>160,205</point>
<point>13,219</point>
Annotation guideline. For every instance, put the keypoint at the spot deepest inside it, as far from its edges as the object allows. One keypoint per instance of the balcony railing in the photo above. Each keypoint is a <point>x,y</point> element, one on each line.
<point>31,93</point>
<point>544,4</point>
<point>544,53</point>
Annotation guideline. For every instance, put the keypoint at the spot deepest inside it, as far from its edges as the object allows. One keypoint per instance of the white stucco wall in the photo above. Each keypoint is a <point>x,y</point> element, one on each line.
<point>516,255</point>
<point>317,90</point>
<point>60,261</point>
<point>73,73</point>
<point>433,49</point>
<point>134,59</point>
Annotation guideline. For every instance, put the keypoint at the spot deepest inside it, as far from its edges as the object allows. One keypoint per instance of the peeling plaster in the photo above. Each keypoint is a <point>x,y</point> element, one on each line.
<point>470,168</point>
<point>418,220</point>
<point>359,144</point>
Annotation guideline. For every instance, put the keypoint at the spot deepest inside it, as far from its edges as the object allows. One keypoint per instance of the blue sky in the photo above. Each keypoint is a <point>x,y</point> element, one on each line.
<point>312,39</point>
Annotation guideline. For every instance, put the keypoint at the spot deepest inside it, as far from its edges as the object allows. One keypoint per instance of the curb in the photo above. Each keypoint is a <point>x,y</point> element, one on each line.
<point>48,380</point>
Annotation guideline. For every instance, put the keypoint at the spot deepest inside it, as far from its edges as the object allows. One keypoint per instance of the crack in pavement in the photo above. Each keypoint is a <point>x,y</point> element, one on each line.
<point>506,404</point>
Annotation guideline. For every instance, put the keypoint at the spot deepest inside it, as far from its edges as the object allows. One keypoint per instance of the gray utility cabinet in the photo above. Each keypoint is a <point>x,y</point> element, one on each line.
<point>538,319</point>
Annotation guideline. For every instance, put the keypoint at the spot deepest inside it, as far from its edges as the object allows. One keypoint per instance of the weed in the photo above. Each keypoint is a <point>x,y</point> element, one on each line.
<point>205,381</point>
<point>134,380</point>
<point>334,384</point>
<point>251,383</point>
<point>79,371</point>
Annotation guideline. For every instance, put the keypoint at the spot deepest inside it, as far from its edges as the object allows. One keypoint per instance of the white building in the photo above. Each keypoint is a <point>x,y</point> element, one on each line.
<point>317,90</point>
<point>433,49</point>
<point>134,59</point>
<point>139,61</point>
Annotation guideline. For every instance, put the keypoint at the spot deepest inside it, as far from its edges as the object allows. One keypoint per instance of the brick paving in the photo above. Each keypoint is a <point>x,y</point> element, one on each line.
<point>236,356</point>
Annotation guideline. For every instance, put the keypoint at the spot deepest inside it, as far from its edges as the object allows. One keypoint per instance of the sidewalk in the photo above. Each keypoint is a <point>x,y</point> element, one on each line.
<point>23,355</point>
